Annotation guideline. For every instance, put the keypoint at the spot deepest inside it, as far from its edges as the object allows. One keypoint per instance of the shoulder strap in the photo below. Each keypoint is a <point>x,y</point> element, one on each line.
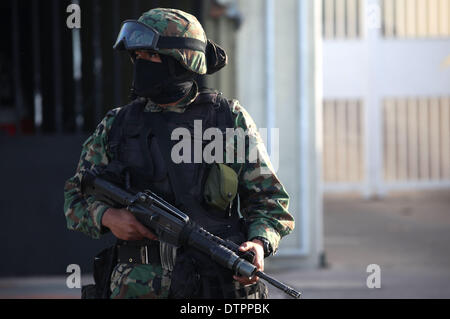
<point>207,96</point>
<point>223,114</point>
<point>116,168</point>
<point>129,114</point>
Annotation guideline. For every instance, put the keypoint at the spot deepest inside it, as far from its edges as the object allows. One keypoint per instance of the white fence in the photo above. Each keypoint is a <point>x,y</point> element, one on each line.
<point>416,139</point>
<point>386,96</point>
<point>400,18</point>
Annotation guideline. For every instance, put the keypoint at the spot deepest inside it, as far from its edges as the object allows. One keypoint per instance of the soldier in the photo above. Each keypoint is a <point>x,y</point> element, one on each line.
<point>169,48</point>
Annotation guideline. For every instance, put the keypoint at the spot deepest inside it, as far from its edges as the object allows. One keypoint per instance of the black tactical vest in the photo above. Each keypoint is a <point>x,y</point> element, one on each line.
<point>141,155</point>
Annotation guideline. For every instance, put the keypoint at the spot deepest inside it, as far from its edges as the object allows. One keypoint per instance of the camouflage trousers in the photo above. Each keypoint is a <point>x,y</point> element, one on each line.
<point>149,282</point>
<point>139,281</point>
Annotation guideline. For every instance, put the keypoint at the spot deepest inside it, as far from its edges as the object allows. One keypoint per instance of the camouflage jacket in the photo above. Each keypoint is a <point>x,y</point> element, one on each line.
<point>263,199</point>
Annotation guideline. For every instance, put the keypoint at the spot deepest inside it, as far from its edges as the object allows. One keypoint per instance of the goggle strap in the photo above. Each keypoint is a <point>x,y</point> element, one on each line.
<point>181,43</point>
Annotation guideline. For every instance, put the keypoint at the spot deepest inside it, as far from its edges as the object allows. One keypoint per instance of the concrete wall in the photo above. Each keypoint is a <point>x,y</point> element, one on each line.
<point>278,82</point>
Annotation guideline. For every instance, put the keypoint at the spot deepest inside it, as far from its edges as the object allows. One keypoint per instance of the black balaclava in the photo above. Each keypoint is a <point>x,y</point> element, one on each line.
<point>162,83</point>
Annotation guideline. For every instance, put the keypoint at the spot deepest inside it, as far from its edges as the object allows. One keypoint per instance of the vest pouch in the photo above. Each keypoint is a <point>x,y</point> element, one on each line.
<point>221,186</point>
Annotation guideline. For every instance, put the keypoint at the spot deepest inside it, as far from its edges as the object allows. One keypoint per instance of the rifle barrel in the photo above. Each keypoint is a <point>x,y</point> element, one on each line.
<point>290,291</point>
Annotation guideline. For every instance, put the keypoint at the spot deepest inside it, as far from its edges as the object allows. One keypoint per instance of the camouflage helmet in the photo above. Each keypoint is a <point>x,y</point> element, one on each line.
<point>177,23</point>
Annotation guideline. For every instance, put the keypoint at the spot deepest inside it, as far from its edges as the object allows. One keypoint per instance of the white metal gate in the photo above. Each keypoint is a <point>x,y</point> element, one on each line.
<point>386,95</point>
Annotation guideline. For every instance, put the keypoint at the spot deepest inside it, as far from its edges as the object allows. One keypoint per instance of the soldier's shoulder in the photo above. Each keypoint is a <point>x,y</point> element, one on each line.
<point>107,122</point>
<point>239,112</point>
<point>235,106</point>
<point>233,103</point>
<point>112,114</point>
<point>241,117</point>
<point>115,111</point>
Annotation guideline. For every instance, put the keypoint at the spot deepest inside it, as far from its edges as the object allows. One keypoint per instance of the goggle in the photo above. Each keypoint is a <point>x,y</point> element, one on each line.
<point>135,35</point>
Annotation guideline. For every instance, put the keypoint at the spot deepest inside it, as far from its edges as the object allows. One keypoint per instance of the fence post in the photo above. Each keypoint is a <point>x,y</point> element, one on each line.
<point>373,111</point>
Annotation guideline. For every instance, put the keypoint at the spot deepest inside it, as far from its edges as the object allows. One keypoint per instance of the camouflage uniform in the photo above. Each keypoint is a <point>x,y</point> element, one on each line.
<point>263,199</point>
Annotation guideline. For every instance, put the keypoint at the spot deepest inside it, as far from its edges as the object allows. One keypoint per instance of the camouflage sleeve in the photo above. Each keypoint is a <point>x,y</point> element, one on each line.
<point>84,213</point>
<point>263,199</point>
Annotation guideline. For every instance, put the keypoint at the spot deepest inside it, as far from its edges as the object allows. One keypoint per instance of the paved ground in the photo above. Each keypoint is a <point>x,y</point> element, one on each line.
<point>406,234</point>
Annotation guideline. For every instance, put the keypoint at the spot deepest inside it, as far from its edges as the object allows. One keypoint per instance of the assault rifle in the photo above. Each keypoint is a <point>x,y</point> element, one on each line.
<point>174,227</point>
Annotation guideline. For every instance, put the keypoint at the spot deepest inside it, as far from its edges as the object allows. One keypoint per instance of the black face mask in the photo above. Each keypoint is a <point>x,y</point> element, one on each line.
<point>163,83</point>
